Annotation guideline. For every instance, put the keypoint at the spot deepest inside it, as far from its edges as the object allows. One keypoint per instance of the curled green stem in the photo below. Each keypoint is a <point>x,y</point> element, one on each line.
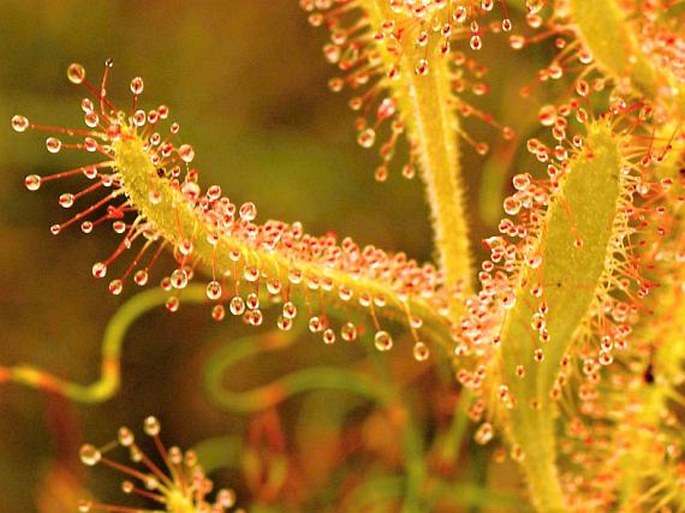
<point>112,342</point>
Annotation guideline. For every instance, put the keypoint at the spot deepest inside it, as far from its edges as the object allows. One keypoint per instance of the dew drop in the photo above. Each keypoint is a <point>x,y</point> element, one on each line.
<point>237,305</point>
<point>252,301</point>
<point>119,227</point>
<point>254,317</point>
<point>179,278</point>
<point>521,181</point>
<point>99,270</point>
<point>421,67</point>
<point>91,119</point>
<point>274,287</point>
<point>141,277</point>
<point>90,144</point>
<point>382,340</point>
<point>605,358</point>
<point>151,426</point>
<point>315,324</point>
<point>213,290</point>
<point>381,173</point>
<point>348,332</point>
<point>53,144</point>
<point>284,324</point>
<point>482,148</point>
<point>76,73</point>
<point>186,153</point>
<point>289,310</point>
<point>115,287</point>
<point>89,455</point>
<point>484,433</point>
<point>173,303</point>
<point>251,273</point>
<point>137,85</point>
<point>87,105</point>
<point>547,115</point>
<point>512,206</point>
<point>218,312</point>
<point>185,247</point>
<point>476,43</point>
<point>421,351</point>
<point>366,138</point>
<point>125,437</point>
<point>387,108</point>
<point>248,211</point>
<point>66,200</point>
<point>32,182</point>
<point>19,123</point>
<point>328,336</point>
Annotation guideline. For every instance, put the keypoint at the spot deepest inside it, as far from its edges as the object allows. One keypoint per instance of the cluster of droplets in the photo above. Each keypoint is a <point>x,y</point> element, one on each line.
<point>448,19</point>
<point>179,485</point>
<point>357,55</point>
<point>371,58</point>
<point>635,415</point>
<point>509,274</point>
<point>250,263</point>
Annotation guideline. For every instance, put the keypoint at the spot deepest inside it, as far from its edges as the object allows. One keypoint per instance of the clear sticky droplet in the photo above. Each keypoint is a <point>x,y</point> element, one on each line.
<point>140,277</point>
<point>137,85</point>
<point>125,437</point>
<point>53,144</point>
<point>32,182</point>
<point>115,287</point>
<point>186,153</point>
<point>66,200</point>
<point>383,341</point>
<point>99,270</point>
<point>421,352</point>
<point>329,336</point>
<point>484,433</point>
<point>151,426</point>
<point>348,332</point>
<point>19,123</point>
<point>89,455</point>
<point>213,290</point>
<point>76,73</point>
<point>367,138</point>
<point>547,115</point>
<point>248,211</point>
<point>237,306</point>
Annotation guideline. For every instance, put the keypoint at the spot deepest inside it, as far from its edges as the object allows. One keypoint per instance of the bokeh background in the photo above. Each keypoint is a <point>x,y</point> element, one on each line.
<point>247,82</point>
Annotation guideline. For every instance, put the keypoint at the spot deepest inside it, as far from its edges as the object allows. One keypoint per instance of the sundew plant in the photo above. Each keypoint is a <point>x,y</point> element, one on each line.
<point>524,353</point>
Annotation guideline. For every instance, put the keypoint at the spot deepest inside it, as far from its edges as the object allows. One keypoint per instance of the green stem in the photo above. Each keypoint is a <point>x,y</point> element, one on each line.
<point>412,445</point>
<point>267,396</point>
<point>573,276</point>
<point>427,106</point>
<point>110,375</point>
<point>433,126</point>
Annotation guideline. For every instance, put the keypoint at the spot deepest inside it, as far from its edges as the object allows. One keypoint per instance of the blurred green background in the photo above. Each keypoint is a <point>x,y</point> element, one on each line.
<point>247,82</point>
